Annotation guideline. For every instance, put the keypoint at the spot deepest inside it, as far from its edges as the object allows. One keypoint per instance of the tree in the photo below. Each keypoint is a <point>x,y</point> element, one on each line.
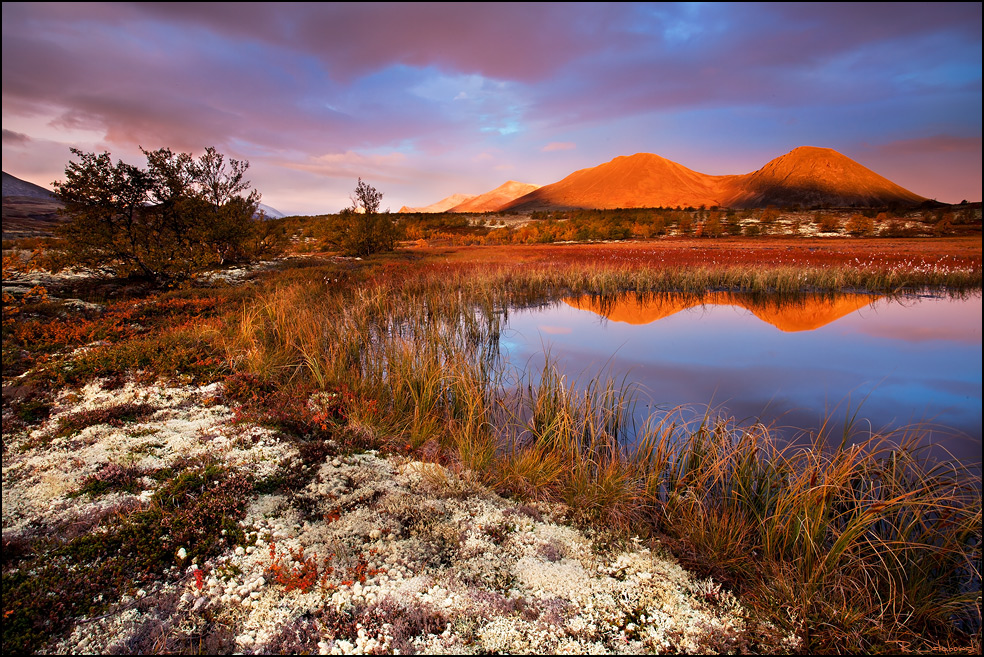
<point>178,217</point>
<point>827,223</point>
<point>860,225</point>
<point>713,227</point>
<point>362,230</point>
<point>366,199</point>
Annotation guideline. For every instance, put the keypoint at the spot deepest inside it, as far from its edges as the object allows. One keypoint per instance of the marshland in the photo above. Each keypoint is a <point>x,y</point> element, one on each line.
<point>829,539</point>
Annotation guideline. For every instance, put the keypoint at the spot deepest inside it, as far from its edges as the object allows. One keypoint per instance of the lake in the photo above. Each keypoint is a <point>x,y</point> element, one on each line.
<point>897,361</point>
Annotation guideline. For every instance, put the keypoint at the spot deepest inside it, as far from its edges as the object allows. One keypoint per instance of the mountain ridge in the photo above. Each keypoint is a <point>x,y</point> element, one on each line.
<point>496,198</point>
<point>807,176</point>
<point>444,205</point>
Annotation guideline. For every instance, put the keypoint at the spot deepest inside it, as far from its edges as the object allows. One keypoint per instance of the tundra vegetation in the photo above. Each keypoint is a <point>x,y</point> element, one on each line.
<point>856,545</point>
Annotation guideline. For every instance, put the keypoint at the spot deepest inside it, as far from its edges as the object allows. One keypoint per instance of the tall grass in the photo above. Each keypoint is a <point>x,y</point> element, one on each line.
<point>867,543</point>
<point>857,547</point>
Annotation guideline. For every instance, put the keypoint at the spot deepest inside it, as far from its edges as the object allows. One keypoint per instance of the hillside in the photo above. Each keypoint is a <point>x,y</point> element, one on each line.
<point>29,210</point>
<point>444,205</point>
<point>14,186</point>
<point>811,176</point>
<point>495,199</point>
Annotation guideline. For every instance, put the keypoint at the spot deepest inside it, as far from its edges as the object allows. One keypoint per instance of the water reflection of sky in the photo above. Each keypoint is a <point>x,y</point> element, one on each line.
<point>918,360</point>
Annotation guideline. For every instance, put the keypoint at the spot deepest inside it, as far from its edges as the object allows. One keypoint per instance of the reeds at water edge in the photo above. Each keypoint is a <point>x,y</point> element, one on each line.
<point>855,544</point>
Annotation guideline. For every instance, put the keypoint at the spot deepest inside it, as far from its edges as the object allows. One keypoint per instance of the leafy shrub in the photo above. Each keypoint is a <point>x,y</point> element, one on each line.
<point>896,228</point>
<point>292,411</point>
<point>112,477</point>
<point>112,415</point>
<point>174,353</point>
<point>769,216</point>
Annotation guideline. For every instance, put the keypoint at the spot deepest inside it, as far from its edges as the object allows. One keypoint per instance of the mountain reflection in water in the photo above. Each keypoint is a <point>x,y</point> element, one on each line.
<point>905,361</point>
<point>803,314</point>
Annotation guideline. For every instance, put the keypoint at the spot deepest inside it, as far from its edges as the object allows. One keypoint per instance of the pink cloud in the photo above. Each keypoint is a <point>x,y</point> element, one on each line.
<point>351,165</point>
<point>505,41</point>
<point>559,146</point>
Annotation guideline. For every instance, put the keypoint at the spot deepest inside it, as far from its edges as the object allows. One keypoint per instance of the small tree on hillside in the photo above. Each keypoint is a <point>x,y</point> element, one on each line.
<point>860,225</point>
<point>366,198</point>
<point>713,227</point>
<point>362,230</point>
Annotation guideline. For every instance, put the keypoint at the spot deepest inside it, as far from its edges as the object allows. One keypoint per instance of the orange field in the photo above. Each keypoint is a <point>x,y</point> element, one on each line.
<point>963,252</point>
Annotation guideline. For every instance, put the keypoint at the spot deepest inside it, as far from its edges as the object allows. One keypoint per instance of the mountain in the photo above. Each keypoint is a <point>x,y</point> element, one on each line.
<point>14,186</point>
<point>29,210</point>
<point>640,180</point>
<point>816,176</point>
<point>444,205</point>
<point>806,176</point>
<point>268,212</point>
<point>495,199</point>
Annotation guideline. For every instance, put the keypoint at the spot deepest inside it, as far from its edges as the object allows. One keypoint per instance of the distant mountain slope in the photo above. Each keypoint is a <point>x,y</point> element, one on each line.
<point>444,205</point>
<point>806,176</point>
<point>495,199</point>
<point>29,210</point>
<point>14,186</point>
<point>268,212</point>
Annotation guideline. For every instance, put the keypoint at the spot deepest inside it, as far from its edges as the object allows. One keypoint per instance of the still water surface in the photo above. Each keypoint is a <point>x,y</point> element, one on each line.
<point>904,360</point>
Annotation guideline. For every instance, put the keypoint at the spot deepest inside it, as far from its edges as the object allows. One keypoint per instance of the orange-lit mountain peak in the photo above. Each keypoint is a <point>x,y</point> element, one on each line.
<point>810,175</point>
<point>496,198</point>
<point>640,180</point>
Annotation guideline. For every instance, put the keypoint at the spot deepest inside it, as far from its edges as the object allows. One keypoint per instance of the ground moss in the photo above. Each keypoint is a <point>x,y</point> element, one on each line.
<point>198,510</point>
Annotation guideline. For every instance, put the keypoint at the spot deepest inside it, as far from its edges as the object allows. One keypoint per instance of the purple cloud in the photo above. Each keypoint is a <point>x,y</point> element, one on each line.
<point>559,146</point>
<point>18,138</point>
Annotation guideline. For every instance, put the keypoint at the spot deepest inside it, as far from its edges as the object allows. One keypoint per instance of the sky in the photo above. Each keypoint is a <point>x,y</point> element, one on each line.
<point>426,100</point>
